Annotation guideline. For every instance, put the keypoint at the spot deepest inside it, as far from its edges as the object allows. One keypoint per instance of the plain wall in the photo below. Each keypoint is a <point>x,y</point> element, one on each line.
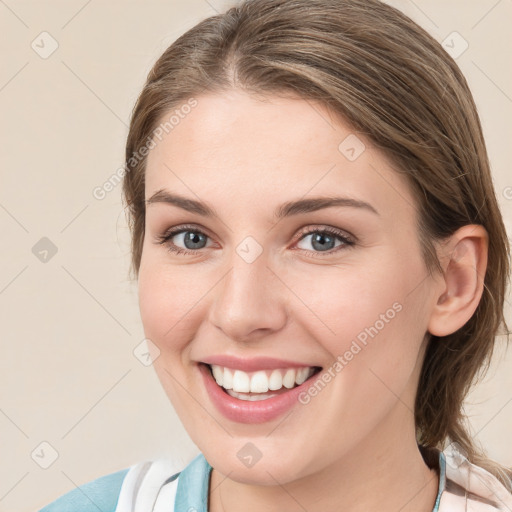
<point>70,324</point>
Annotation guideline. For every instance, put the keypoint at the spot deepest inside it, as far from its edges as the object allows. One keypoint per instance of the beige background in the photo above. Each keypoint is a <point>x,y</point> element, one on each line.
<point>70,325</point>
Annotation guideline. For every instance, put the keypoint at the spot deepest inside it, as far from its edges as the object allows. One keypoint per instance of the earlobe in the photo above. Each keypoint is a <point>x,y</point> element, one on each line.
<point>461,287</point>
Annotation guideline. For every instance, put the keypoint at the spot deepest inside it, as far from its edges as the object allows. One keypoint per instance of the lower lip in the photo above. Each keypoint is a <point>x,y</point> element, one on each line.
<point>245,411</point>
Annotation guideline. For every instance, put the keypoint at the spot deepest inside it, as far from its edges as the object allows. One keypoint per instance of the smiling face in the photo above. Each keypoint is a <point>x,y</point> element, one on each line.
<point>252,283</point>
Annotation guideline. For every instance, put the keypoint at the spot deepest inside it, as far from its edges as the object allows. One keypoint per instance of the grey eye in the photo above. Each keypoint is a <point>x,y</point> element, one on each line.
<point>320,241</point>
<point>192,239</point>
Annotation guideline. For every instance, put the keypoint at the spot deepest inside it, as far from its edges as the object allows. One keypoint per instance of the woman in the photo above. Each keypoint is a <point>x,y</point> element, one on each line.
<point>321,263</point>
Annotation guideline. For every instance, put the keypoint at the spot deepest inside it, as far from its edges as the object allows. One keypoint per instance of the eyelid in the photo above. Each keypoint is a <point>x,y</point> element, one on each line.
<point>348,240</point>
<point>178,229</point>
<point>314,228</point>
<point>304,230</point>
<point>174,230</point>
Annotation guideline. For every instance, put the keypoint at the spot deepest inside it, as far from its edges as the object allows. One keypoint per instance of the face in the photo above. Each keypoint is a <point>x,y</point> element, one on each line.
<point>340,287</point>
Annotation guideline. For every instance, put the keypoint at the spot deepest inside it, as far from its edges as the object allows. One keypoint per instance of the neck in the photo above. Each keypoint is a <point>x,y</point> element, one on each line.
<point>384,472</point>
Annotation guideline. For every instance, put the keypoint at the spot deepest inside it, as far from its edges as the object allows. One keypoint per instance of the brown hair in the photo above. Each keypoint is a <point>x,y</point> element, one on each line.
<point>394,84</point>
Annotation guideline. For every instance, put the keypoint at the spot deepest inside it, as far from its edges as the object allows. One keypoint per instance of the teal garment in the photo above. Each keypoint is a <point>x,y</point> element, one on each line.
<point>442,480</point>
<point>193,486</point>
<point>98,495</point>
<point>192,492</point>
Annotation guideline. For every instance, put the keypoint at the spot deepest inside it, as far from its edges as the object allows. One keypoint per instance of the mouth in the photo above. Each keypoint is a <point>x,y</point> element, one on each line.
<point>261,384</point>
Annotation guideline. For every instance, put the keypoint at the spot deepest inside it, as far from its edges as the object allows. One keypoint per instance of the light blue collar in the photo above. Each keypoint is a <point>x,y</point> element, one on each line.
<point>442,480</point>
<point>193,484</point>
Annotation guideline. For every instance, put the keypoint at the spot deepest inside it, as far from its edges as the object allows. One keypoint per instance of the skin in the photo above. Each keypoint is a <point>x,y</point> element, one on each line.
<point>353,446</point>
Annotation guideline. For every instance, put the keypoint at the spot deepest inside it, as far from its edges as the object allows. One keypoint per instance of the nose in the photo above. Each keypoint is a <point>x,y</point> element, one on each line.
<point>249,301</point>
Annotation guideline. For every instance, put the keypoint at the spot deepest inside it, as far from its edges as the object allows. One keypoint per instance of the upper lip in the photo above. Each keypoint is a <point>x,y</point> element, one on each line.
<point>252,364</point>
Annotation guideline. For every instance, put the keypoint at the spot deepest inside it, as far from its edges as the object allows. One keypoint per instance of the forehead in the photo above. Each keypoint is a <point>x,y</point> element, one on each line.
<point>270,150</point>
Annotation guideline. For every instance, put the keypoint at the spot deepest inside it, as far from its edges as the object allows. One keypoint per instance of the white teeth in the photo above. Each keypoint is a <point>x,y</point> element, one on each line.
<point>276,380</point>
<point>227,378</point>
<point>260,381</point>
<point>289,379</point>
<point>302,375</point>
<point>250,398</point>
<point>241,382</point>
<point>218,374</point>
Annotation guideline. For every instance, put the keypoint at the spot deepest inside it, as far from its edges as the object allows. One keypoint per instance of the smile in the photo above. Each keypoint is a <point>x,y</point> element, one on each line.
<point>255,397</point>
<point>255,385</point>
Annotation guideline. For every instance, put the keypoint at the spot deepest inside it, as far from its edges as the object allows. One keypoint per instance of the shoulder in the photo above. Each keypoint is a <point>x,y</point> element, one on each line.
<point>467,485</point>
<point>143,484</point>
<point>99,494</point>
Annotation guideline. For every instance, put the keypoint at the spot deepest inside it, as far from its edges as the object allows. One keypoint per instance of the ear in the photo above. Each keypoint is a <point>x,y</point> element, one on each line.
<point>464,260</point>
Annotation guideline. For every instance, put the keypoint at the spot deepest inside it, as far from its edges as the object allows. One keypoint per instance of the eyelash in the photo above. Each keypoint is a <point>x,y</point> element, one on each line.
<point>165,238</point>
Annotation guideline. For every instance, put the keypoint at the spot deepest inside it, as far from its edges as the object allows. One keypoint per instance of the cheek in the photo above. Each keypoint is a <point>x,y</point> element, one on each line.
<point>156,313</point>
<point>169,311</point>
<point>166,300</point>
<point>370,319</point>
<point>341,304</point>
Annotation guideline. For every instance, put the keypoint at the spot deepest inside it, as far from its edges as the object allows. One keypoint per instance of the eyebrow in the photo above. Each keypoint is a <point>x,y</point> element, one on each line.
<point>285,210</point>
